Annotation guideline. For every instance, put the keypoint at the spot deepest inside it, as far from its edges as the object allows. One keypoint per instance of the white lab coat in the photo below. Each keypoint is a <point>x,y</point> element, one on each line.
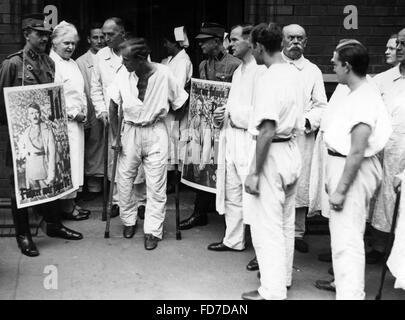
<point>182,69</point>
<point>68,73</point>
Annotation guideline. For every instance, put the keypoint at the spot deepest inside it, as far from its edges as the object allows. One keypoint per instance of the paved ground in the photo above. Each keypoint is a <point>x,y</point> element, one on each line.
<point>96,268</point>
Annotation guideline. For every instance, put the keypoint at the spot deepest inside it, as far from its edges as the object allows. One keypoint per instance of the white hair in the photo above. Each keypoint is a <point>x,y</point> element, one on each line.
<point>63,29</point>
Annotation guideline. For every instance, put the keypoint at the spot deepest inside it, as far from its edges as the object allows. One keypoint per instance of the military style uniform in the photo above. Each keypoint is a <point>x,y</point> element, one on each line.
<point>27,67</point>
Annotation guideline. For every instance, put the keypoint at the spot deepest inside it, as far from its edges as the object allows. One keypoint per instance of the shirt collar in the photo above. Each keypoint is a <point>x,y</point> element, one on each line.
<point>299,64</point>
<point>396,73</point>
<point>55,56</point>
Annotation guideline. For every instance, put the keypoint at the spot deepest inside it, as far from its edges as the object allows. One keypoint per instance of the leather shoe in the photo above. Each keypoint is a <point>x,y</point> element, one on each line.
<point>75,215</point>
<point>253,265</point>
<point>194,221</point>
<point>325,285</point>
<point>115,211</point>
<point>374,257</point>
<point>141,212</point>
<point>252,296</point>
<point>129,232</point>
<point>151,242</point>
<point>27,246</point>
<point>83,211</point>
<point>57,230</point>
<point>325,257</point>
<point>220,247</point>
<point>301,246</point>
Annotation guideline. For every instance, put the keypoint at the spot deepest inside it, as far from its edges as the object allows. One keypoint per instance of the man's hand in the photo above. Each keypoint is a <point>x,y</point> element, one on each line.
<point>80,118</point>
<point>397,184</point>
<point>104,118</point>
<point>219,115</point>
<point>337,201</point>
<point>252,185</point>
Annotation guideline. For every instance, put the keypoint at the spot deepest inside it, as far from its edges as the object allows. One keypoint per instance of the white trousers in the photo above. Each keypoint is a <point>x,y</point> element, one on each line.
<point>238,143</point>
<point>273,217</point>
<point>147,146</point>
<point>347,227</point>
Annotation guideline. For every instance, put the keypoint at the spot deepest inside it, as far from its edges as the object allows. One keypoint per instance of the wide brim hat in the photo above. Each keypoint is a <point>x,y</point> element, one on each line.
<point>35,21</point>
<point>211,30</point>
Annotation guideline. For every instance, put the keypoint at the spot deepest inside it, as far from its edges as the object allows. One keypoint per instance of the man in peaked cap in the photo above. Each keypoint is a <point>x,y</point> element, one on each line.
<point>31,66</point>
<point>218,66</point>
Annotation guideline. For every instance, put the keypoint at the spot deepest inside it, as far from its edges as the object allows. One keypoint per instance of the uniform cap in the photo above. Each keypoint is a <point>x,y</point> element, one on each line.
<point>211,30</point>
<point>35,21</point>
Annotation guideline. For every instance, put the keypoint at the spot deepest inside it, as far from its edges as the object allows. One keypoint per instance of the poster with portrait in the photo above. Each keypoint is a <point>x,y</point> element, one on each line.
<point>201,159</point>
<point>37,123</point>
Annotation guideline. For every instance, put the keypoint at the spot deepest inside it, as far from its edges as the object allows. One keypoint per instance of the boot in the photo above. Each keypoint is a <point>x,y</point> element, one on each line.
<point>23,232</point>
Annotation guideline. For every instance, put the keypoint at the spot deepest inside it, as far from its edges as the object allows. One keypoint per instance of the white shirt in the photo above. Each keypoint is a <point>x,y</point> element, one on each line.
<point>68,73</point>
<point>363,105</point>
<point>181,67</point>
<point>279,99</point>
<point>315,100</point>
<point>163,91</point>
<point>241,96</point>
<point>391,83</point>
<point>105,69</point>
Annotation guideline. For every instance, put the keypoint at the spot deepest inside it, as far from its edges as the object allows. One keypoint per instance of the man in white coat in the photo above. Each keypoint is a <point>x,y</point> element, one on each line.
<point>108,62</point>
<point>94,137</point>
<point>236,141</point>
<point>315,101</point>
<point>276,165</point>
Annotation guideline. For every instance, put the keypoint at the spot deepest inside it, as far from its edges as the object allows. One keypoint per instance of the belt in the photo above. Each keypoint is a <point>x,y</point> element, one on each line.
<point>336,154</point>
<point>37,154</point>
<point>281,140</point>
<point>142,125</point>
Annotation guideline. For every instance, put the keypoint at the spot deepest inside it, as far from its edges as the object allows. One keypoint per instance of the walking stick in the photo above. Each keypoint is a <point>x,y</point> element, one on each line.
<point>389,245</point>
<point>117,150</point>
<point>105,195</point>
<point>177,190</point>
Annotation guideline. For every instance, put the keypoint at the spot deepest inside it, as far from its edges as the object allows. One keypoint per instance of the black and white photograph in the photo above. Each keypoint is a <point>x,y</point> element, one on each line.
<point>41,154</point>
<point>193,156</point>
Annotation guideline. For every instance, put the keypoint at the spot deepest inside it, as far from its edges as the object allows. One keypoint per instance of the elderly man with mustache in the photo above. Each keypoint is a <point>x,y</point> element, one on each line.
<point>314,103</point>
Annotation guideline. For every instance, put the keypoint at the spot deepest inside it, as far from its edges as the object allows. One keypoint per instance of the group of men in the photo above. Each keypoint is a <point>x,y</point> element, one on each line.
<point>276,106</point>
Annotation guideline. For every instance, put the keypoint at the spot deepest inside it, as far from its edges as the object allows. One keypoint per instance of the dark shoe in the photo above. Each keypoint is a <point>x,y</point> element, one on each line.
<point>301,246</point>
<point>83,211</point>
<point>374,257</point>
<point>325,285</point>
<point>75,215</point>
<point>57,230</point>
<point>115,211</point>
<point>331,272</point>
<point>220,247</point>
<point>27,246</point>
<point>252,296</point>
<point>325,257</point>
<point>141,212</point>
<point>194,221</point>
<point>151,242</point>
<point>253,265</point>
<point>129,232</point>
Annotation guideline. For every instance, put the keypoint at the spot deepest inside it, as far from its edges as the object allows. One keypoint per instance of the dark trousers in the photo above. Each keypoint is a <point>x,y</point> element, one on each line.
<point>204,202</point>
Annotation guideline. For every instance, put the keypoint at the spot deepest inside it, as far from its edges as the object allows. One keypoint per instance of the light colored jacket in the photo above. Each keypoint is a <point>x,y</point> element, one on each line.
<point>105,69</point>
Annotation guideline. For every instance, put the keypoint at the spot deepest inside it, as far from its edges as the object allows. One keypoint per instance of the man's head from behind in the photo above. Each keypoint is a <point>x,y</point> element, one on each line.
<point>294,41</point>
<point>114,32</point>
<point>34,113</point>
<point>96,38</point>
<point>350,58</point>
<point>135,54</point>
<point>401,47</point>
<point>265,40</point>
<point>240,45</point>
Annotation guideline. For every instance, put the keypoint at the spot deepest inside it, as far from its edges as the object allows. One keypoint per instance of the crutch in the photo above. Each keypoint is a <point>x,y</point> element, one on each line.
<point>389,245</point>
<point>177,190</point>
<point>105,180</point>
<point>117,150</point>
